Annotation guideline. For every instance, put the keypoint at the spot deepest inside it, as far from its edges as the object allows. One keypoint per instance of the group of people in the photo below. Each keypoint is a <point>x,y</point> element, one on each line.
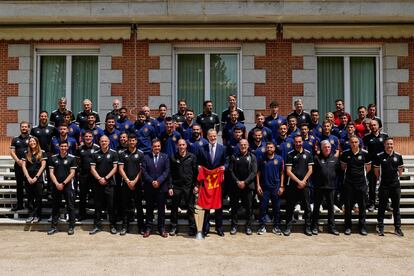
<point>336,163</point>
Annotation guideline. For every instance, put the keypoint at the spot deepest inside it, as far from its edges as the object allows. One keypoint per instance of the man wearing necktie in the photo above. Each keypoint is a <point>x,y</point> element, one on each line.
<point>212,156</point>
<point>157,182</point>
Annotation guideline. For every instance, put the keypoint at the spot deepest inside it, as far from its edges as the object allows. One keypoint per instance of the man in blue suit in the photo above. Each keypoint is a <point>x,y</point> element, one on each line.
<point>212,156</point>
<point>157,182</point>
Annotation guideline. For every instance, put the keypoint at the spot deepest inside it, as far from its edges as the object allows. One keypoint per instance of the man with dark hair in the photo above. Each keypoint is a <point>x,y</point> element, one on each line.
<point>243,169</point>
<point>63,136</point>
<point>82,117</point>
<point>185,129</point>
<point>327,135</point>
<point>310,142</point>
<point>86,179</point>
<point>274,120</point>
<point>157,182</point>
<point>62,168</point>
<point>230,125</point>
<point>267,134</point>
<point>56,117</point>
<point>225,115</point>
<point>372,114</point>
<point>356,163</point>
<point>299,113</point>
<point>293,129</point>
<point>73,129</point>
<point>299,169</point>
<point>169,138</point>
<point>359,122</point>
<point>388,166</point>
<point>103,168</point>
<point>92,126</point>
<point>340,110</point>
<point>160,120</point>
<point>196,141</point>
<point>284,143</point>
<point>44,132</point>
<point>111,131</point>
<point>18,146</point>
<point>208,119</point>
<point>144,132</point>
<point>233,143</point>
<point>184,166</point>
<point>374,143</point>
<point>179,117</point>
<point>131,186</point>
<point>315,128</point>
<point>350,131</point>
<point>123,124</point>
<point>270,186</point>
<point>148,119</point>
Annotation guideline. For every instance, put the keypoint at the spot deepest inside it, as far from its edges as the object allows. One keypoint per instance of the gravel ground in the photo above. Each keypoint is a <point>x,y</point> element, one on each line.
<point>102,254</point>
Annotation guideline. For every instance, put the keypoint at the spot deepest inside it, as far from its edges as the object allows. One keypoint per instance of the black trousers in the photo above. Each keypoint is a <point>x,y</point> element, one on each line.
<point>294,196</point>
<point>354,195</point>
<point>86,188</point>
<point>218,217</point>
<point>130,200</point>
<point>384,194</point>
<point>69,195</point>
<point>372,186</point>
<point>20,179</point>
<point>328,195</point>
<point>152,197</point>
<point>246,198</point>
<point>186,195</point>
<point>34,197</point>
<point>104,197</point>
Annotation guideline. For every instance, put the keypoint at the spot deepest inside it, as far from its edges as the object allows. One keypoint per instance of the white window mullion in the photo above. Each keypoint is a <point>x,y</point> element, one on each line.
<point>378,90</point>
<point>207,95</point>
<point>347,84</point>
<point>69,82</point>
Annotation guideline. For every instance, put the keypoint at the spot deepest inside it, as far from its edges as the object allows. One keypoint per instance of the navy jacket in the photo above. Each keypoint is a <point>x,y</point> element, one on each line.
<point>161,173</point>
<point>220,159</point>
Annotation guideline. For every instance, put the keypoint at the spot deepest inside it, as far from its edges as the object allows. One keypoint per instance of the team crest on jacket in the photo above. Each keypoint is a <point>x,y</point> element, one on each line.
<point>275,162</point>
<point>303,117</point>
<point>108,156</point>
<point>200,143</point>
<point>279,121</point>
<point>320,130</point>
<point>65,162</point>
<point>263,149</point>
<point>304,156</point>
<point>174,139</point>
<point>115,137</point>
<point>380,139</point>
<point>359,157</point>
<point>95,132</point>
<point>395,159</point>
<point>47,131</point>
<point>136,155</point>
<point>332,141</point>
<point>288,145</point>
<point>126,126</point>
<point>70,129</point>
<point>145,129</point>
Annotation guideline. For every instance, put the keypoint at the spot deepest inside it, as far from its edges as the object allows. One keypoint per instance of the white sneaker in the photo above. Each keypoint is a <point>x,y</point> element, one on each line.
<point>297,208</point>
<point>336,209</point>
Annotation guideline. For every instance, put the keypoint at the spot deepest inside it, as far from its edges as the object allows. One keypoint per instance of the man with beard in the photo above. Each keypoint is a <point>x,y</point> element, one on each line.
<point>225,115</point>
<point>185,128</point>
<point>184,166</point>
<point>56,117</point>
<point>111,132</point>
<point>18,146</point>
<point>208,119</point>
<point>267,134</point>
<point>180,116</point>
<point>196,141</point>
<point>44,132</point>
<point>91,126</point>
<point>340,110</point>
<point>300,115</point>
<point>274,120</point>
<point>169,138</point>
<point>82,117</point>
<point>144,132</point>
<point>115,112</point>
<point>123,124</point>
<point>63,136</point>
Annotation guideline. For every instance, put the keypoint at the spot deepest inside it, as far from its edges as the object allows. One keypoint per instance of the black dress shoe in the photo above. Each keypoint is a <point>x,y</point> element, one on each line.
<point>95,231</point>
<point>123,231</point>
<point>363,232</point>
<point>315,231</point>
<point>249,231</point>
<point>399,232</point>
<point>173,231</point>
<point>287,231</point>
<point>381,231</point>
<point>71,231</point>
<point>308,231</point>
<point>333,231</point>
<point>220,232</point>
<point>52,231</point>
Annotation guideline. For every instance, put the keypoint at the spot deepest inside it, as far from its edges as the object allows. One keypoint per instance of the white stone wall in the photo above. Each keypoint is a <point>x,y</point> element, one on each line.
<point>392,102</point>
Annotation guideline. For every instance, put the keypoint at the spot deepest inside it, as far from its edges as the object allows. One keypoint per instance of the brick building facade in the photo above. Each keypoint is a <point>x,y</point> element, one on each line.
<point>275,59</point>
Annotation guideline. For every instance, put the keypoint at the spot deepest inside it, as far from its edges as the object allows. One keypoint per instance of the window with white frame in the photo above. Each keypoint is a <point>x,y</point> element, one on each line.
<point>352,74</point>
<point>205,74</point>
<point>70,73</point>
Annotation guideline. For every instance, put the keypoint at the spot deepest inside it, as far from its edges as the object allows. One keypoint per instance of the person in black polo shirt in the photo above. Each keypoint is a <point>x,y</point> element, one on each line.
<point>34,163</point>
<point>82,117</point>
<point>325,169</point>
<point>389,166</point>
<point>374,144</point>
<point>18,146</point>
<point>356,163</point>
<point>44,132</point>
<point>62,168</point>
<point>184,166</point>
<point>103,168</point>
<point>225,115</point>
<point>56,117</point>
<point>131,186</point>
<point>243,170</point>
<point>179,117</point>
<point>299,169</point>
<point>208,119</point>
<point>86,179</point>
<point>300,114</point>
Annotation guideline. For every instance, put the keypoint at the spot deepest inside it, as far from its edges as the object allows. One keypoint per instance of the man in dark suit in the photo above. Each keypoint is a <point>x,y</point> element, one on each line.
<point>157,182</point>
<point>212,156</point>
